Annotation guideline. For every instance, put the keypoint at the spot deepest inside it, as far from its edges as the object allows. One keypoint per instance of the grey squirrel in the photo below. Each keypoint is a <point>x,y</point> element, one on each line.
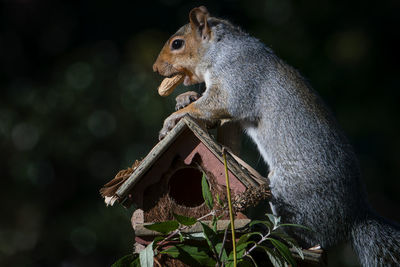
<point>314,174</point>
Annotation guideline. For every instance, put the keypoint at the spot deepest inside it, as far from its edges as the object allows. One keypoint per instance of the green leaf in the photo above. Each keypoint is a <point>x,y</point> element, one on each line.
<point>147,256</point>
<point>243,246</point>
<point>214,223</point>
<point>224,255</point>
<point>252,260</point>
<point>266,223</point>
<point>239,253</point>
<point>163,227</point>
<point>188,221</point>
<point>298,250</point>
<point>195,236</point>
<point>131,260</point>
<point>275,258</point>
<point>135,263</point>
<point>211,236</point>
<point>283,250</point>
<point>291,241</point>
<point>181,238</point>
<point>206,192</point>
<point>171,251</point>
<point>219,201</point>
<point>219,218</point>
<point>191,255</point>
<point>246,237</point>
<point>246,263</point>
<point>274,219</point>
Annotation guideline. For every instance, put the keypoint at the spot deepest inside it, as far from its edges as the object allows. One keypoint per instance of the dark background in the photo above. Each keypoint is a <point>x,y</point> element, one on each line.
<point>78,102</point>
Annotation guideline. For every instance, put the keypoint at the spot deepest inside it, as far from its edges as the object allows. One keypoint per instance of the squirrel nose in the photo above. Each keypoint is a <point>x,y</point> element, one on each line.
<point>155,67</point>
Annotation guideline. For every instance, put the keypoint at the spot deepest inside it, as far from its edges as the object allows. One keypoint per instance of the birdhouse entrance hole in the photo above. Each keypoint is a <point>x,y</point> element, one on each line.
<point>185,187</point>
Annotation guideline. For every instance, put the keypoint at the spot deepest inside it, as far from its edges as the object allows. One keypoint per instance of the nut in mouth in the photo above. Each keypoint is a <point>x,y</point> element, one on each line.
<point>169,84</point>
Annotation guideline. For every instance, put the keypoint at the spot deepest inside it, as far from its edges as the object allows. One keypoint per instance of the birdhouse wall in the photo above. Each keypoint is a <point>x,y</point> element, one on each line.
<point>173,183</point>
<point>214,166</point>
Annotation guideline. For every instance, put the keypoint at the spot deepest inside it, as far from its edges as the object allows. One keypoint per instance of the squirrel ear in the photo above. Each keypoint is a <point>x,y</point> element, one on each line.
<point>198,21</point>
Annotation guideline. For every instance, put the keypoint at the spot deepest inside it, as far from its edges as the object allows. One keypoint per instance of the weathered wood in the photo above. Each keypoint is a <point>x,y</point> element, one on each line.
<point>147,162</point>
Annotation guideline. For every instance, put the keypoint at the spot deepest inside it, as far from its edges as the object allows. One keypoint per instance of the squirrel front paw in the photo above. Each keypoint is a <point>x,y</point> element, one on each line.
<point>169,123</point>
<point>185,99</point>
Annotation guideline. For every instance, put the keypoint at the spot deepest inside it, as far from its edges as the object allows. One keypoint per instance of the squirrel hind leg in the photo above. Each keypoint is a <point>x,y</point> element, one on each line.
<point>185,99</point>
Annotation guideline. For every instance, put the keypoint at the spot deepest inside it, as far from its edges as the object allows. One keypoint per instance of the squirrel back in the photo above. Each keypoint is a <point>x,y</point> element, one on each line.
<point>314,174</point>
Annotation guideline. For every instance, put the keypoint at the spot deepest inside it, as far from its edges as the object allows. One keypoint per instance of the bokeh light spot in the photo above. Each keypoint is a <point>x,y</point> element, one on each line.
<point>101,123</point>
<point>79,75</point>
<point>348,47</point>
<point>25,136</point>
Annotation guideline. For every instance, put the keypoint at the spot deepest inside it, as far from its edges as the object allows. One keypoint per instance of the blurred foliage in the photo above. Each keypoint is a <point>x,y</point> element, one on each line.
<point>78,102</point>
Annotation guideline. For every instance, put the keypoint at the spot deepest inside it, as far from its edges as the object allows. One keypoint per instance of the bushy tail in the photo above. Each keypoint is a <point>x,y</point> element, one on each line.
<point>376,241</point>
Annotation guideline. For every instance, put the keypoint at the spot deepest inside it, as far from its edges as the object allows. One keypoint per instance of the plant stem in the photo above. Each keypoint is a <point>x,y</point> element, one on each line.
<point>223,243</point>
<point>263,238</point>
<point>228,192</point>
<point>211,213</point>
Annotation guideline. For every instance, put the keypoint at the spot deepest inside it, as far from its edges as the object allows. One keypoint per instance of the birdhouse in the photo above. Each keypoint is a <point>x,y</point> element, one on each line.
<point>168,179</point>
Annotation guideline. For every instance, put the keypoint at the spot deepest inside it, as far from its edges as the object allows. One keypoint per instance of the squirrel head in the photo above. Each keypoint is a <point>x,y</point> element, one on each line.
<point>184,50</point>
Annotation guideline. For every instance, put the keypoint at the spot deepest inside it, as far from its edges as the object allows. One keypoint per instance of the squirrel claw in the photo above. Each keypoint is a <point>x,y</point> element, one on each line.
<point>170,123</point>
<point>185,99</point>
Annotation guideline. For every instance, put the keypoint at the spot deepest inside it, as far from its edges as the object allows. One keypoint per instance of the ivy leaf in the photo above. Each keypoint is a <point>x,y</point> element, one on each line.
<point>206,192</point>
<point>163,227</point>
<point>284,251</point>
<point>191,255</point>
<point>147,256</point>
<point>188,221</point>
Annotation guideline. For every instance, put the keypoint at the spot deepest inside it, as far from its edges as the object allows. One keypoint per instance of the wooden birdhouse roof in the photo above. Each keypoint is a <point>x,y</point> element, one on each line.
<point>247,176</point>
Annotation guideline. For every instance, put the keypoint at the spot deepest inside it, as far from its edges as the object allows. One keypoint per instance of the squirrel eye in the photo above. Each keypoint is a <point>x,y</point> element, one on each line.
<point>177,43</point>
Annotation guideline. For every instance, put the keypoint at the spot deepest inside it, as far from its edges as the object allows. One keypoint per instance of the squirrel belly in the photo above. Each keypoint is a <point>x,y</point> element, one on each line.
<point>315,178</point>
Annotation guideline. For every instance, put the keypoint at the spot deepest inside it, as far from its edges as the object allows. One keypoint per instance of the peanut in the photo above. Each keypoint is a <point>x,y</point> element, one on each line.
<point>168,85</point>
